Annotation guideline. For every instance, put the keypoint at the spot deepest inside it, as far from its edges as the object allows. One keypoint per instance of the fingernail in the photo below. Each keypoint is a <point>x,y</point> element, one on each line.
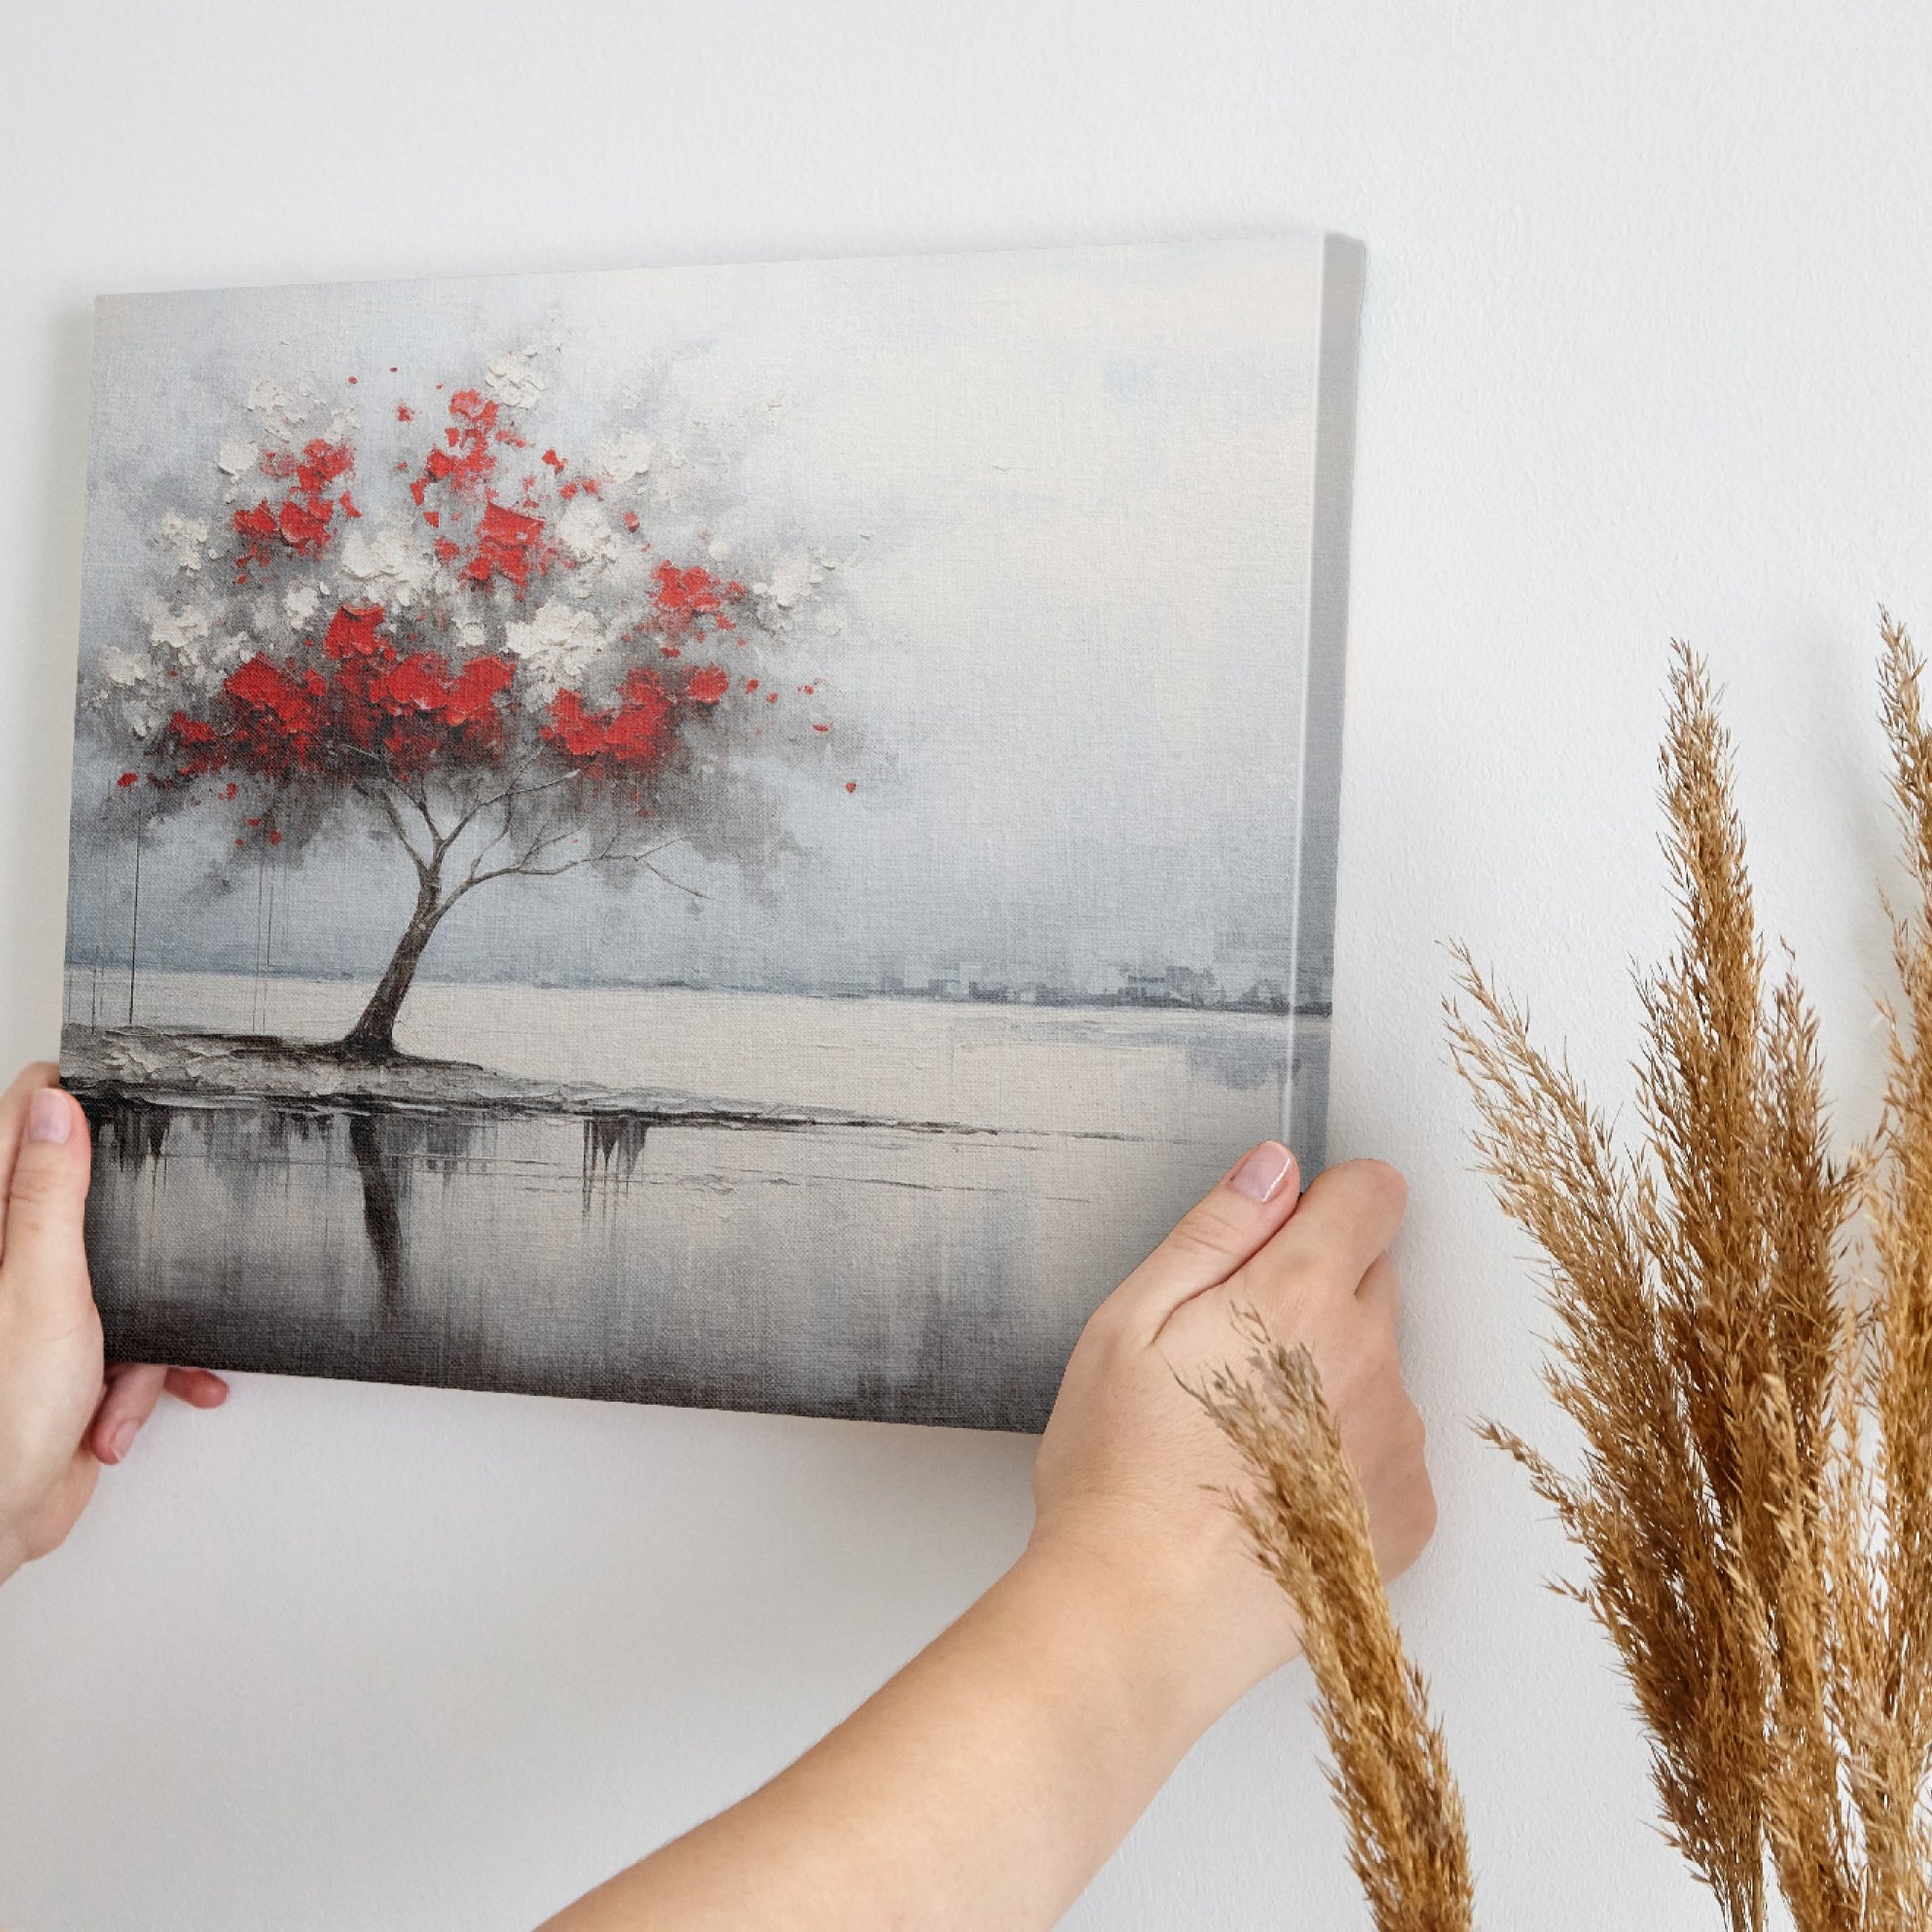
<point>49,1116</point>
<point>1261,1174</point>
<point>122,1439</point>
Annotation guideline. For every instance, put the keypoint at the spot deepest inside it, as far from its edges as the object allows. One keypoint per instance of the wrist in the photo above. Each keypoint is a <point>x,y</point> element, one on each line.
<point>1168,1637</point>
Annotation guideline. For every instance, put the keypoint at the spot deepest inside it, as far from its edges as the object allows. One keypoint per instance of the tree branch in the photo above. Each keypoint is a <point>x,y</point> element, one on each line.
<point>386,806</point>
<point>514,792</point>
<point>607,854</point>
<point>657,872</point>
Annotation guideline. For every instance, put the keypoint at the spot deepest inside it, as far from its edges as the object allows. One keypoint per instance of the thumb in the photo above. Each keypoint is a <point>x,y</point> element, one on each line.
<point>45,1260</point>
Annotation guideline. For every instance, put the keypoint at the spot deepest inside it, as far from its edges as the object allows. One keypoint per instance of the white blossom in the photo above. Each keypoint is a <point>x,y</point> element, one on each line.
<point>127,689</point>
<point>790,581</point>
<point>279,413</point>
<point>558,645</point>
<point>182,634</point>
<point>626,457</point>
<point>183,537</point>
<point>191,651</point>
<point>390,568</point>
<point>585,531</point>
<point>516,381</point>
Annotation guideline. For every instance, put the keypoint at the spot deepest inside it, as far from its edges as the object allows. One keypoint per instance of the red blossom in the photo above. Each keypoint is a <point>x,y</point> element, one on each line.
<point>632,736</point>
<point>472,693</point>
<point>303,528</point>
<point>264,686</point>
<point>369,696</point>
<point>128,778</point>
<point>301,523</point>
<point>258,530</point>
<point>364,699</point>
<point>683,595</point>
<point>466,463</point>
<point>321,462</point>
<point>421,683</point>
<point>508,543</point>
<point>353,630</point>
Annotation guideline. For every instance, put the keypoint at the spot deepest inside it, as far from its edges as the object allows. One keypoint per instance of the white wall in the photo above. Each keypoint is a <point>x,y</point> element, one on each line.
<point>1644,356</point>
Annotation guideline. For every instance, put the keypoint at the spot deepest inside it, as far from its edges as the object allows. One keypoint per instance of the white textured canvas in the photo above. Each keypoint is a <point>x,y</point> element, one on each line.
<point>740,836</point>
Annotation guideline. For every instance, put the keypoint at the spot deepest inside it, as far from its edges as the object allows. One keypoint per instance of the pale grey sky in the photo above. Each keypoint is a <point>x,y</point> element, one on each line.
<point>1069,492</point>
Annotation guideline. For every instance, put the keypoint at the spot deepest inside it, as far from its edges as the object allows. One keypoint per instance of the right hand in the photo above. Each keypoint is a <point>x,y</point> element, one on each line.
<point>1131,1475</point>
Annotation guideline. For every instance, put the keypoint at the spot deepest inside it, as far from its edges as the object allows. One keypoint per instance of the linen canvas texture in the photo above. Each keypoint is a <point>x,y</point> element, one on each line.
<point>741,836</point>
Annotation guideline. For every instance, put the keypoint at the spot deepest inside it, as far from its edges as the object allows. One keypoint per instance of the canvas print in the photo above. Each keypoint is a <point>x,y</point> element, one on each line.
<point>740,836</point>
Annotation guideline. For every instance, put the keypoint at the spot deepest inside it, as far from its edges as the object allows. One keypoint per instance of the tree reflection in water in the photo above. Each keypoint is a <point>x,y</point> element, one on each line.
<point>389,1146</point>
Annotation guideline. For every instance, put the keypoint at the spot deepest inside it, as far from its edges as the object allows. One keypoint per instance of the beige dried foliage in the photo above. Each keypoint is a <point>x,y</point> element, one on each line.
<point>1754,1496</point>
<point>1308,1521</point>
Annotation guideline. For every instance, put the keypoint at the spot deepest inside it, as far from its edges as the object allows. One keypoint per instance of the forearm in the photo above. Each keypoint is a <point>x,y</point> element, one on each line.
<point>983,1785</point>
<point>990,1779</point>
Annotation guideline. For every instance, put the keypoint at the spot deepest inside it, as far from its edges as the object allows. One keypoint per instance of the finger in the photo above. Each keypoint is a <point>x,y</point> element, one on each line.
<point>1348,1216</point>
<point>1250,1202</point>
<point>44,1264</point>
<point>200,1388</point>
<point>132,1391</point>
<point>13,1124</point>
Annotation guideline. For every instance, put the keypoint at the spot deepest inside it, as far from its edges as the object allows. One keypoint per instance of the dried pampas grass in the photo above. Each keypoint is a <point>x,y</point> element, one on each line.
<point>1753,1391</point>
<point>1755,1497</point>
<point>1308,1525</point>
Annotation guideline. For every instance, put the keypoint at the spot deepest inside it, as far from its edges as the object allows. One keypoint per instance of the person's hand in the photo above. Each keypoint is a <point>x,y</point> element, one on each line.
<point>1127,1478</point>
<point>985,1783</point>
<point>63,1412</point>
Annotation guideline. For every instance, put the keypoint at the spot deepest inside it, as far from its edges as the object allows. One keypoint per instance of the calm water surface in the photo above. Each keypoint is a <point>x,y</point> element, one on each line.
<point>936,1275</point>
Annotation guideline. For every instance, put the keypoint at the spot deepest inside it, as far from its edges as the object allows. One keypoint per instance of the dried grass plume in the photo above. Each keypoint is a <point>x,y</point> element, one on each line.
<point>1307,1519</point>
<point>1753,1502</point>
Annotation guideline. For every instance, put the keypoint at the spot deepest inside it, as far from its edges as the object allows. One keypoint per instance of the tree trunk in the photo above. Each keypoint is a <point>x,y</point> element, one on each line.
<point>373,1036</point>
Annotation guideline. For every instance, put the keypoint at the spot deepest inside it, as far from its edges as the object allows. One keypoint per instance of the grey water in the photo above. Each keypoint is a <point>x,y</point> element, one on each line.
<point>925,1274</point>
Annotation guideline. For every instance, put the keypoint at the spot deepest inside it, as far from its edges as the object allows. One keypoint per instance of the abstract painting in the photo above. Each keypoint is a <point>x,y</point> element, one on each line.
<point>738,836</point>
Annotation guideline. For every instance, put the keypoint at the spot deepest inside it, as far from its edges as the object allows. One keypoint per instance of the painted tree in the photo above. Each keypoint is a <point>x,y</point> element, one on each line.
<point>495,667</point>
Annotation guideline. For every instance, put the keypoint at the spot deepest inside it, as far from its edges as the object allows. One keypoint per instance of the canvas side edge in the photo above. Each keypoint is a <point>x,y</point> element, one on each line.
<point>1306,1104</point>
<point>102,316</point>
<point>1286,236</point>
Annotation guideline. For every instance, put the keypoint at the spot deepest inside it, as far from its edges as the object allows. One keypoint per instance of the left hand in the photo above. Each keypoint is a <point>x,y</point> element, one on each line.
<point>64,1411</point>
